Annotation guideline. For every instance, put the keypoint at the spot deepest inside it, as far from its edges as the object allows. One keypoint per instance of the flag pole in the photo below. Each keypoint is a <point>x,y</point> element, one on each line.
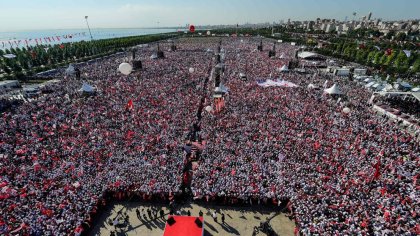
<point>86,18</point>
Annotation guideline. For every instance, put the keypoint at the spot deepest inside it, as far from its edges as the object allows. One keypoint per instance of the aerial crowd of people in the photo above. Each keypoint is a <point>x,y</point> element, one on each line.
<point>343,173</point>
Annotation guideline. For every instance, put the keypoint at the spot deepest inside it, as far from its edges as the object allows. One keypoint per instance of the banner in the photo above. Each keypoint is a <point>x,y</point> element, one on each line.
<point>16,43</point>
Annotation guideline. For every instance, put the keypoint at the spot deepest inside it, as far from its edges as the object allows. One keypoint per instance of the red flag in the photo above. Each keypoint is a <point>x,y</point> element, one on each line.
<point>61,46</point>
<point>129,105</point>
<point>192,28</point>
<point>317,145</point>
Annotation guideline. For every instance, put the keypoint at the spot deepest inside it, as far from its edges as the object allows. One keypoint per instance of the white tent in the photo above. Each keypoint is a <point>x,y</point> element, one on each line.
<point>333,90</point>
<point>86,88</point>
<point>367,80</point>
<point>378,86</point>
<point>9,56</point>
<point>276,83</point>
<point>388,87</point>
<point>370,84</point>
<point>284,68</point>
<point>282,56</point>
<point>312,86</point>
<point>154,56</point>
<point>221,89</point>
<point>70,70</point>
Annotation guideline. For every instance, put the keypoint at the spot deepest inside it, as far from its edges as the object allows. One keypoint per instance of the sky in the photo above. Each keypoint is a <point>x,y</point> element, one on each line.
<point>18,15</point>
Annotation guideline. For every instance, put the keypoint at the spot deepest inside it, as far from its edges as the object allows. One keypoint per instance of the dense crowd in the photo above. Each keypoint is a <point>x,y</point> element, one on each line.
<point>61,152</point>
<point>344,173</point>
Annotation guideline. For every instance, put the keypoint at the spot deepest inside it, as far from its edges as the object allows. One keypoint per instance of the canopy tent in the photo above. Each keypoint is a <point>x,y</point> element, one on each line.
<point>312,86</point>
<point>284,68</point>
<point>70,70</point>
<point>378,86</point>
<point>276,83</point>
<point>370,84</point>
<point>86,88</point>
<point>388,87</point>
<point>9,56</point>
<point>367,80</point>
<point>221,89</point>
<point>333,90</point>
<point>416,95</point>
<point>310,56</point>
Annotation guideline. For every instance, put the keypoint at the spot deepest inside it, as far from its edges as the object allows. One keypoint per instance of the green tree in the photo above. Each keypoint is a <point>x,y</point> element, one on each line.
<point>401,36</point>
<point>416,66</point>
<point>390,34</point>
<point>389,59</point>
<point>361,56</point>
<point>401,61</point>
<point>370,57</point>
<point>383,59</point>
<point>377,58</point>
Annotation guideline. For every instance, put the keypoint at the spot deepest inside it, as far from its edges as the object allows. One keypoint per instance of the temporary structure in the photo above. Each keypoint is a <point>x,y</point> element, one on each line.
<point>86,88</point>
<point>312,86</point>
<point>284,68</point>
<point>333,90</point>
<point>70,70</point>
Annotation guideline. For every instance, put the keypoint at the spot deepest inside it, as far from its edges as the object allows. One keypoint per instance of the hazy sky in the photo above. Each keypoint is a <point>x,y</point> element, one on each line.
<point>59,14</point>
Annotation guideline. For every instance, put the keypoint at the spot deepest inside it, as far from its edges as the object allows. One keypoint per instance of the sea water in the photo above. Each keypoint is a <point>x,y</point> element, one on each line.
<point>21,38</point>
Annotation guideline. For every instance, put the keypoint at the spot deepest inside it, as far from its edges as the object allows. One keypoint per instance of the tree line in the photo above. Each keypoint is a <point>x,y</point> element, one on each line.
<point>385,57</point>
<point>34,59</point>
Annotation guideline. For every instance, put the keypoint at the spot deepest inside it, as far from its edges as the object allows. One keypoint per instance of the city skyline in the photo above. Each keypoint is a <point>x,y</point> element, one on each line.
<point>46,14</point>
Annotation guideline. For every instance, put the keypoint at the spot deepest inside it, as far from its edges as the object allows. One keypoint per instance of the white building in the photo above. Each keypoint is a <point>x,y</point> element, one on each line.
<point>329,28</point>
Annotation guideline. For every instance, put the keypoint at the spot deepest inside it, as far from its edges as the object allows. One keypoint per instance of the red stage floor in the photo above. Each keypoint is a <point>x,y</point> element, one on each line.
<point>184,226</point>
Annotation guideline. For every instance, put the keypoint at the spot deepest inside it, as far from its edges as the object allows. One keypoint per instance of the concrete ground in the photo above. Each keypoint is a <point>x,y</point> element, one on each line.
<point>238,220</point>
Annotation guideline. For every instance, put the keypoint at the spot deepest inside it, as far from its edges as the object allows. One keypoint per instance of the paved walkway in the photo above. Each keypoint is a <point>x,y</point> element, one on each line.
<point>238,220</point>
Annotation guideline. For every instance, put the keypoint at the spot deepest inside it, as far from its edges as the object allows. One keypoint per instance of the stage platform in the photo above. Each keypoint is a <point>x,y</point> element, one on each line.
<point>184,225</point>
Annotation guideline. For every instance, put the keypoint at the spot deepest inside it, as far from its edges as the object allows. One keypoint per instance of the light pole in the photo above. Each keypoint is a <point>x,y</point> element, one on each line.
<point>86,18</point>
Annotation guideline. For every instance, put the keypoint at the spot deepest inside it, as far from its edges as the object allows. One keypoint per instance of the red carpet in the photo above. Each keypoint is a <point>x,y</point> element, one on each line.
<point>184,226</point>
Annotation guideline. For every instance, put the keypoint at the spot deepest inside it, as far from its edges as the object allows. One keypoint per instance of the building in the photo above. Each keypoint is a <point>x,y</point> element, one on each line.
<point>330,28</point>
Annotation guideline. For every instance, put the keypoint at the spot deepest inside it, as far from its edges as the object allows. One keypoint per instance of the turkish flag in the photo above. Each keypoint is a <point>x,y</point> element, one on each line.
<point>317,145</point>
<point>129,105</point>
